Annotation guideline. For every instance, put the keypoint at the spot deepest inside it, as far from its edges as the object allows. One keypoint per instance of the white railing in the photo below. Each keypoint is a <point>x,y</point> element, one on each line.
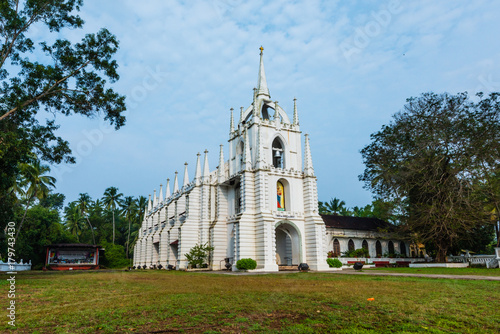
<point>372,260</point>
<point>490,261</point>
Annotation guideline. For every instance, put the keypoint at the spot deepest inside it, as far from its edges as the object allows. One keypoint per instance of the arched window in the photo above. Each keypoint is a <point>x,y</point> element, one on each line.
<point>378,248</point>
<point>237,199</point>
<point>402,248</point>
<point>350,245</point>
<point>336,247</point>
<point>266,110</point>
<point>240,149</point>
<point>278,154</point>
<point>365,244</point>
<point>391,247</point>
<point>280,190</point>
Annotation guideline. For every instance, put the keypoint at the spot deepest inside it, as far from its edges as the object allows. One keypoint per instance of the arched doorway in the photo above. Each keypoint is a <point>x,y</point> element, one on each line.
<point>288,245</point>
<point>378,249</point>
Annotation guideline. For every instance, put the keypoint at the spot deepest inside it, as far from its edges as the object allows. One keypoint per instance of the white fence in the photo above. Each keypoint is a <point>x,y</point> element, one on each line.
<point>14,266</point>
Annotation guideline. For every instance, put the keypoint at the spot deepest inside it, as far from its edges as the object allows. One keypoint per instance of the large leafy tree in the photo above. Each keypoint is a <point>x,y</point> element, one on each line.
<point>432,158</point>
<point>59,77</point>
<point>112,200</point>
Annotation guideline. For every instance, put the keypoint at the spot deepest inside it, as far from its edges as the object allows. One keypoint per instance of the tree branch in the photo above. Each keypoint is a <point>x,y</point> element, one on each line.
<point>47,92</point>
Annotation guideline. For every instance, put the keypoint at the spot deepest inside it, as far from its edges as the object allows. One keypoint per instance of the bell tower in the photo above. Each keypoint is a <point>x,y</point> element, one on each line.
<point>268,185</point>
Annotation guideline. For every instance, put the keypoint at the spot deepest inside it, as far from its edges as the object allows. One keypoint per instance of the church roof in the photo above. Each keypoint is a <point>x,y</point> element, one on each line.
<point>356,223</point>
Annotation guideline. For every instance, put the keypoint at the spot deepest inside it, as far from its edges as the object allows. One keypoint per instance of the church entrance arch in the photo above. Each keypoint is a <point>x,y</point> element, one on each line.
<point>288,244</point>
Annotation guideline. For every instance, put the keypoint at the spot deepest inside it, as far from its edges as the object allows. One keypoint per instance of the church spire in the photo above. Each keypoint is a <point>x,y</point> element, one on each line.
<point>241,115</point>
<point>155,200</point>
<point>186,176</point>
<point>197,175</point>
<point>231,123</point>
<point>295,113</point>
<point>308,165</point>
<point>160,200</point>
<point>149,204</point>
<point>262,83</point>
<point>206,169</point>
<point>176,183</point>
<point>167,189</point>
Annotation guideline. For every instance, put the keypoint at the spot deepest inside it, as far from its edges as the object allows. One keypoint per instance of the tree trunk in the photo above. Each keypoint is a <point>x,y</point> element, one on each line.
<point>91,230</point>
<point>113,227</point>
<point>442,251</point>
<point>128,237</point>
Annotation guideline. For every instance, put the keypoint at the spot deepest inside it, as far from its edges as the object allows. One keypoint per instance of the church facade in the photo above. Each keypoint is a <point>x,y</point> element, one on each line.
<point>260,203</point>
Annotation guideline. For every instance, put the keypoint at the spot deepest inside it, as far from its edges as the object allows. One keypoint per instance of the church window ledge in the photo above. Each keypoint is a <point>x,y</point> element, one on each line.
<point>234,217</point>
<point>288,214</point>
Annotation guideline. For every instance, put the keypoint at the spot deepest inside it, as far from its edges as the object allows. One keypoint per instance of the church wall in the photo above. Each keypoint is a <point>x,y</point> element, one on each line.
<point>344,235</point>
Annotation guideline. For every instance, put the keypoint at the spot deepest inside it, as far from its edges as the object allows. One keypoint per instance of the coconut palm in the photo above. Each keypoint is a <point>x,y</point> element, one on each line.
<point>130,212</point>
<point>84,202</point>
<point>335,206</point>
<point>141,203</point>
<point>112,200</point>
<point>73,219</point>
<point>33,184</point>
<point>141,206</point>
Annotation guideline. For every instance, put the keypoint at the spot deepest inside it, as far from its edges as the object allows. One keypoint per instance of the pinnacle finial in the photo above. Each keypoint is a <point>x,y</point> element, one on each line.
<point>295,112</point>
<point>231,122</point>
<point>261,50</point>
<point>261,82</point>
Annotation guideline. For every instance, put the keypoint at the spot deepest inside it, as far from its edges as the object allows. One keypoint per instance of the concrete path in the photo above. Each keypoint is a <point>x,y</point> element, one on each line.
<point>369,273</point>
<point>379,273</point>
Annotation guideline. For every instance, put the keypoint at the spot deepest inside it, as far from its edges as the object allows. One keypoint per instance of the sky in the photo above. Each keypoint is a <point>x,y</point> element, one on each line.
<point>350,64</point>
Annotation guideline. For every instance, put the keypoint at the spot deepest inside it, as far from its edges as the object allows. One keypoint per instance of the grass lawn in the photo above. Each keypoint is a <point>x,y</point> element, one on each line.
<point>162,302</point>
<point>441,271</point>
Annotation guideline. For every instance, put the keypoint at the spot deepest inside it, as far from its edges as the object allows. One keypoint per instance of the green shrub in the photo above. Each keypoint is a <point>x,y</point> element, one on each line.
<point>198,254</point>
<point>360,252</point>
<point>114,256</point>
<point>334,263</point>
<point>246,264</point>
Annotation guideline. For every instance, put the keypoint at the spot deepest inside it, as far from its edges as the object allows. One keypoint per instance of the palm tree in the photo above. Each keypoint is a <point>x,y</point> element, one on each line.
<point>141,206</point>
<point>35,185</point>
<point>130,212</point>
<point>83,203</point>
<point>73,219</point>
<point>140,203</point>
<point>335,206</point>
<point>112,199</point>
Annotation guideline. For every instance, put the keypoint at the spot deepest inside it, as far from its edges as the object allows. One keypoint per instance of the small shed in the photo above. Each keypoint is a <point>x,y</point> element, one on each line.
<point>73,256</point>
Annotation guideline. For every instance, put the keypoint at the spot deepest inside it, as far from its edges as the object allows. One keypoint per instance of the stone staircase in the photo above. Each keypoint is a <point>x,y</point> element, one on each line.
<point>492,264</point>
<point>288,268</point>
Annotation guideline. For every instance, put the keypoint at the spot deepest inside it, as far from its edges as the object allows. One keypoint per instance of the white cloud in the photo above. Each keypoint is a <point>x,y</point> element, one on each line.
<point>208,52</point>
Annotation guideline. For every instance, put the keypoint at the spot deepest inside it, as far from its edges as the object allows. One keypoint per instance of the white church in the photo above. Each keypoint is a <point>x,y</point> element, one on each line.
<point>260,203</point>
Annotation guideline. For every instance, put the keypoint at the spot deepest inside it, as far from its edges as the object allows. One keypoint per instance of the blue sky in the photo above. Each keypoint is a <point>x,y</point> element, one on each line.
<point>351,66</point>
